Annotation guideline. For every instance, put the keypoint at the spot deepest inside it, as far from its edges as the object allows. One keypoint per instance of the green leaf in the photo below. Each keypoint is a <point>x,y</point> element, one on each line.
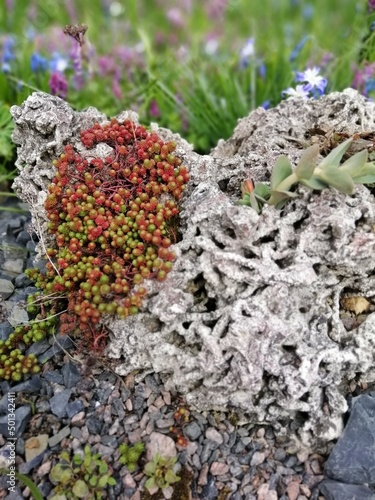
<point>355,163</point>
<point>112,481</point>
<point>77,459</point>
<point>278,196</point>
<point>103,481</point>
<point>80,489</point>
<point>87,460</point>
<point>64,455</point>
<point>314,183</point>
<point>171,477</point>
<point>262,191</point>
<point>307,162</point>
<point>334,177</point>
<point>365,174</point>
<point>334,157</point>
<point>281,171</point>
<point>254,203</point>
<point>103,468</point>
<point>93,480</point>
<point>60,474</point>
<point>30,484</point>
<point>150,468</point>
<point>150,483</point>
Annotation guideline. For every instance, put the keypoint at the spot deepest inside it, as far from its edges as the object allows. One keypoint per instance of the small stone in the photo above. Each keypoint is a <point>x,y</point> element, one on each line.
<point>14,265</point>
<point>38,348</point>
<point>33,384</point>
<point>22,238</point>
<point>34,446</point>
<point>214,435</point>
<point>22,417</point>
<point>164,423</point>
<point>6,289</point>
<point>53,376</point>
<point>94,425</point>
<point>57,438</point>
<point>18,316</point>
<point>159,443</point>
<point>209,490</point>
<point>218,469</point>
<point>59,403</point>
<point>335,490</point>
<point>44,469</point>
<point>192,431</point>
<point>202,479</point>
<point>74,407</point>
<point>293,490</point>
<point>257,458</point>
<point>129,482</point>
<point>5,330</point>
<point>71,375</point>
<point>22,281</point>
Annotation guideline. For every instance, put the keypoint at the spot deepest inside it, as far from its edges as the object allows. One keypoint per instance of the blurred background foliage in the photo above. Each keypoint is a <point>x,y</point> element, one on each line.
<point>192,66</point>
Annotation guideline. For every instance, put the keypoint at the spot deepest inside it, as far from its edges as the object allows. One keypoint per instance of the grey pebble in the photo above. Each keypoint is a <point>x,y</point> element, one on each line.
<point>59,403</point>
<point>192,431</point>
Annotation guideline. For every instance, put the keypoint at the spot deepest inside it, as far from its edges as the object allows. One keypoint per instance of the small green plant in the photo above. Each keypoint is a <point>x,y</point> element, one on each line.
<point>131,454</point>
<point>160,472</point>
<point>80,477</point>
<point>329,173</point>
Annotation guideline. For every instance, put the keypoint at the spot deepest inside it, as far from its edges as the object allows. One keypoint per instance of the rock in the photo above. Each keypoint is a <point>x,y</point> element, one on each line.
<point>62,343</point>
<point>333,490</point>
<point>6,289</point>
<point>74,408</point>
<point>22,417</point>
<point>192,431</point>
<point>159,443</point>
<point>5,330</point>
<point>14,265</point>
<point>39,347</point>
<point>214,435</point>
<point>57,438</point>
<point>209,490</point>
<point>18,316</point>
<point>33,384</point>
<point>218,468</point>
<point>71,375</point>
<point>59,403</point>
<point>34,446</point>
<point>352,458</point>
<point>249,316</point>
<point>22,281</point>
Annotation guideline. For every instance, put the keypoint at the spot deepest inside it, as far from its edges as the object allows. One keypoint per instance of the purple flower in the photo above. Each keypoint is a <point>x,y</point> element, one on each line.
<point>58,84</point>
<point>311,77</point>
<point>371,5</point>
<point>76,57</point>
<point>300,91</point>
<point>175,17</point>
<point>154,110</point>
<point>266,104</point>
<point>7,54</point>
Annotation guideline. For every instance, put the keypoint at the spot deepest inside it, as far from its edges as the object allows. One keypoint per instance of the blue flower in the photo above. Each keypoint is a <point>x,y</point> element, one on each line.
<point>58,63</point>
<point>266,104</point>
<point>311,77</point>
<point>300,91</point>
<point>38,62</point>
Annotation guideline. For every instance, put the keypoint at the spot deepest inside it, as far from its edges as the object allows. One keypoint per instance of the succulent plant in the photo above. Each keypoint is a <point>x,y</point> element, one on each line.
<point>161,472</point>
<point>131,454</point>
<point>80,477</point>
<point>329,173</point>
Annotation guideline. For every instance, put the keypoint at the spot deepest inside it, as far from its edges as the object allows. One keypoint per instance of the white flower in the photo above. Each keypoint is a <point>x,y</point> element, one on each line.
<point>311,77</point>
<point>299,91</point>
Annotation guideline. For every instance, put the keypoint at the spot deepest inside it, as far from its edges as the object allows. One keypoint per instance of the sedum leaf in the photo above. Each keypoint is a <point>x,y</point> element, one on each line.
<point>278,196</point>
<point>334,157</point>
<point>150,483</point>
<point>170,477</point>
<point>281,171</point>
<point>150,468</point>
<point>365,175</point>
<point>307,163</point>
<point>336,178</point>
<point>103,481</point>
<point>262,191</point>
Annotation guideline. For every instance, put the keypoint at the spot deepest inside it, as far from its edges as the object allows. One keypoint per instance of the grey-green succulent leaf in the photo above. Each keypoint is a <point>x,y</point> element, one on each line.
<point>80,489</point>
<point>279,196</point>
<point>364,174</point>
<point>281,171</point>
<point>334,157</point>
<point>307,163</point>
<point>262,191</point>
<point>314,183</point>
<point>336,178</point>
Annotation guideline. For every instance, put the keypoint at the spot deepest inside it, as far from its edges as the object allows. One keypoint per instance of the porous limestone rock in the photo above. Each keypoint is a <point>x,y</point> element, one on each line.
<point>250,317</point>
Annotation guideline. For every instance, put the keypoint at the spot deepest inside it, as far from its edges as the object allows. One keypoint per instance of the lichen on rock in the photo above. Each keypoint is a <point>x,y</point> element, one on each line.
<point>249,318</point>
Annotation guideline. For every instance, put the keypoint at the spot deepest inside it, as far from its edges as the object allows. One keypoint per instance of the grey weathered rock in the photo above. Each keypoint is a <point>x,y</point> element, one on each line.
<point>249,317</point>
<point>6,289</point>
<point>59,402</point>
<point>352,458</point>
<point>333,490</point>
